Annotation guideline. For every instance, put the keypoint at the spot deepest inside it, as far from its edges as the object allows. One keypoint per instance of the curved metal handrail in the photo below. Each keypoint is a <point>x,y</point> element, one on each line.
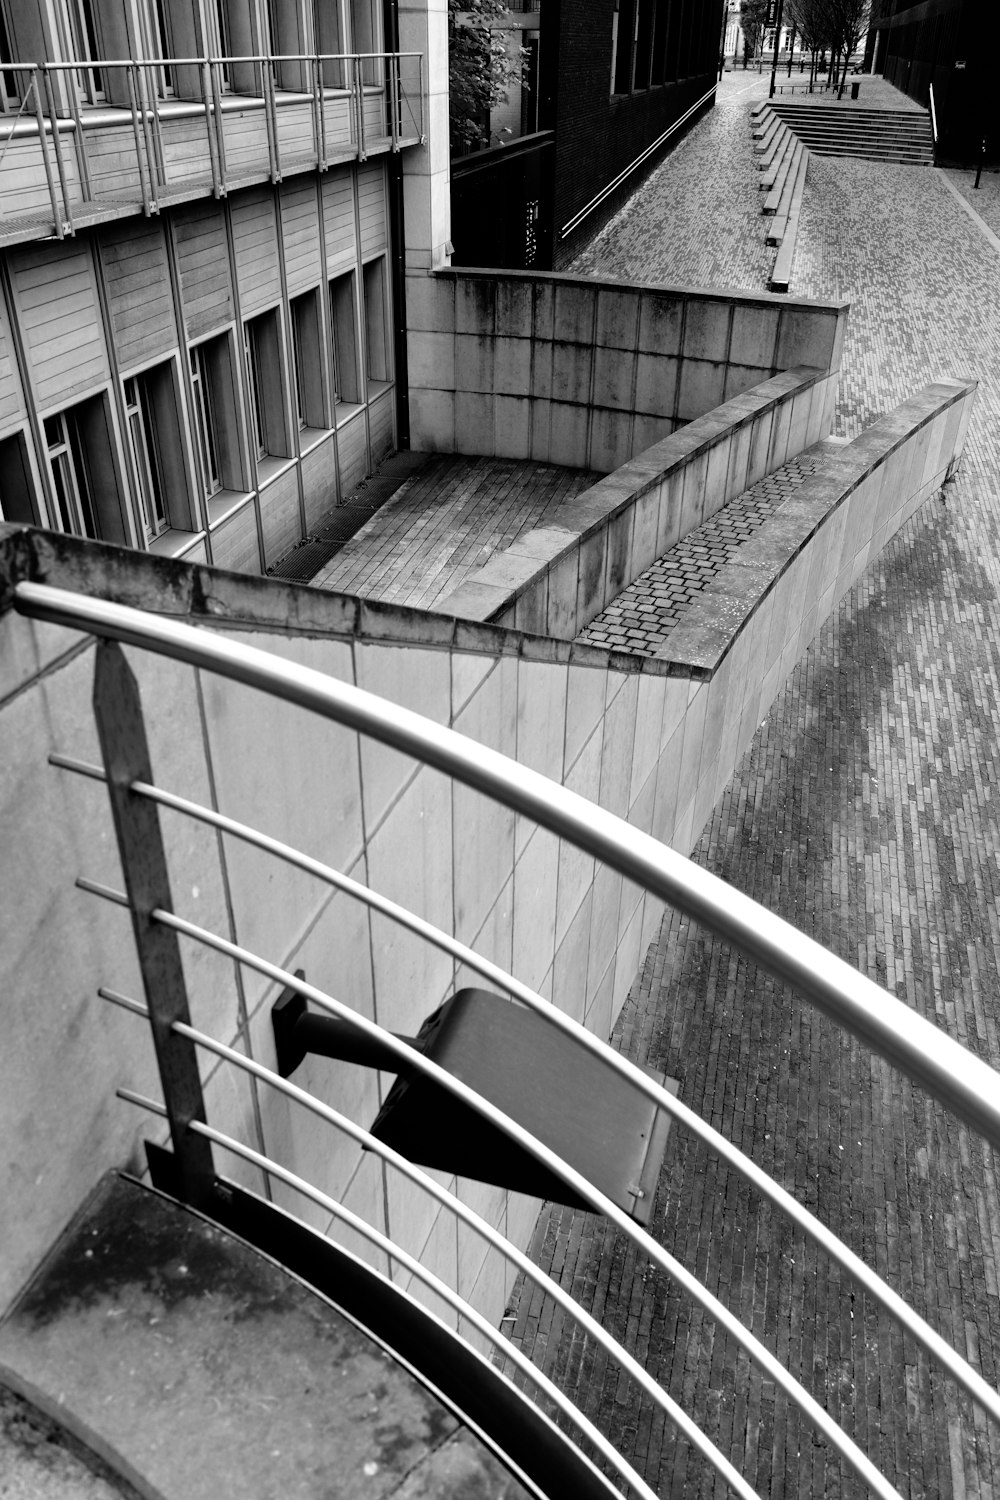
<point>965,1084</point>
<point>761,1356</point>
<point>461,1210</point>
<point>958,1367</point>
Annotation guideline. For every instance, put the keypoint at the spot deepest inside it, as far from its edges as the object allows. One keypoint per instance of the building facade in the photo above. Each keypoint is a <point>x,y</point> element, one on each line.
<point>947,46</point>
<point>197,351</point>
<point>618,81</point>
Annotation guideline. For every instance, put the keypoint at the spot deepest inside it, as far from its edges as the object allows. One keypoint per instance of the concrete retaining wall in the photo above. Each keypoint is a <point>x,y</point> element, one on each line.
<point>653,740</point>
<point>555,579</point>
<point>590,373</point>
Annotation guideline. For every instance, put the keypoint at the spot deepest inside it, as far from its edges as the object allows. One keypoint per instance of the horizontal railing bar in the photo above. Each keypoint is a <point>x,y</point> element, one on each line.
<point>106,892</point>
<point>962,1082</point>
<point>382,904</point>
<point>131,1097</point>
<point>461,1210</point>
<point>447,1294</point>
<point>79,767</point>
<point>191,62</point>
<point>135,1006</point>
<point>939,1349</point>
<point>476,1222</point>
<point>418,1062</point>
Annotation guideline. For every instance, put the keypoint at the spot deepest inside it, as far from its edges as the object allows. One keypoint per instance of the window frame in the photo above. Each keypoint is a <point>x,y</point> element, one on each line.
<point>376,324</point>
<point>309,407</point>
<point>268,429</point>
<point>342,305</point>
<point>86,487</point>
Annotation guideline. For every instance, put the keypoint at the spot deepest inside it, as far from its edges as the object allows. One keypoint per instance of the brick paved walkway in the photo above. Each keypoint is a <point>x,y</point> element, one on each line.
<point>446,522</point>
<point>641,618</point>
<point>868,812</point>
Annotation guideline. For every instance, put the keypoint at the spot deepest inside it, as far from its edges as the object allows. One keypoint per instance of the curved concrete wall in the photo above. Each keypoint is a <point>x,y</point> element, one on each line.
<point>653,740</point>
<point>555,579</point>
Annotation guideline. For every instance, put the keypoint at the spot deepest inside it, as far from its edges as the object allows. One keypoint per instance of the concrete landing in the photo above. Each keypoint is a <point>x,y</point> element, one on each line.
<point>198,1369</point>
<point>444,524</point>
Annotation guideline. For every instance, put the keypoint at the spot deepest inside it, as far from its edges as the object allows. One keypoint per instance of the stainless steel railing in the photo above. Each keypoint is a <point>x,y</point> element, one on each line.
<point>315,108</point>
<point>965,1085</point>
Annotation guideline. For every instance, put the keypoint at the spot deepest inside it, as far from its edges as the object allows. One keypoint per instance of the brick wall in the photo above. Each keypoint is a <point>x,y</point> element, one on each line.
<point>599,135</point>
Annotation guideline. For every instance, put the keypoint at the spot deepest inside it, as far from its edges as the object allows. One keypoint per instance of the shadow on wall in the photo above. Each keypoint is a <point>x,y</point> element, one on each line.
<point>590,373</point>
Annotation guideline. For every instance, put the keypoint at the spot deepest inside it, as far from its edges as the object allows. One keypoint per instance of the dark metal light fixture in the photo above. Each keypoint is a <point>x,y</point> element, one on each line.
<point>553,1086</point>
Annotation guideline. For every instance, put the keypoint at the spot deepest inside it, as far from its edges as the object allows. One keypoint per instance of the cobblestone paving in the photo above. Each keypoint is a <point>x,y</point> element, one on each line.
<point>444,523</point>
<point>702,204</point>
<point>642,617</point>
<point>867,811</point>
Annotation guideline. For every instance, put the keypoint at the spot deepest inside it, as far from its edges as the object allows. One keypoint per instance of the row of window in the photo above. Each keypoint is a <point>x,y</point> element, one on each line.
<point>314,381</point>
<point>657,41</point>
<point>95,31</point>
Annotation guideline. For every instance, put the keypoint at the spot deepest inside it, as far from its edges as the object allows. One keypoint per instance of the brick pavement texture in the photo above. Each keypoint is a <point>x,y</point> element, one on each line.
<point>642,617</point>
<point>446,522</point>
<point>867,811</point>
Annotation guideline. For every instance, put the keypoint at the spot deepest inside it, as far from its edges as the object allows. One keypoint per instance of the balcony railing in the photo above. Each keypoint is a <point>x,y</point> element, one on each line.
<point>965,1085</point>
<point>82,143</point>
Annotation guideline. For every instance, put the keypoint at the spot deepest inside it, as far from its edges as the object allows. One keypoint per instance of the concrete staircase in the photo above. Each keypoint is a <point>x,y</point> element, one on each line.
<point>783,161</point>
<point>845,129</point>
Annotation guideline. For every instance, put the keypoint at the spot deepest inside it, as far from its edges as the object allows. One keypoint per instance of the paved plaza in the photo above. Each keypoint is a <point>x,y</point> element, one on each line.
<point>867,811</point>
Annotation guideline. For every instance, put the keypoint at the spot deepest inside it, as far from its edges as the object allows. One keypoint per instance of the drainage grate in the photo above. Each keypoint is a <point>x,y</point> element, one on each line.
<point>338,525</point>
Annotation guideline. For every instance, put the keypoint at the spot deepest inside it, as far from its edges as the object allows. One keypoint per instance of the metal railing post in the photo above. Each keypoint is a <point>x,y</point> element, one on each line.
<point>65,222</point>
<point>122,734</point>
<point>394,101</point>
<point>59,218</point>
<point>213,130</point>
<point>270,118</point>
<point>145,183</point>
<point>359,94</point>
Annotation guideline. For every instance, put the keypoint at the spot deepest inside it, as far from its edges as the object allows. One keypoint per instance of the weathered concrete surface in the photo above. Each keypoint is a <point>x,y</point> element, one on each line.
<point>199,1369</point>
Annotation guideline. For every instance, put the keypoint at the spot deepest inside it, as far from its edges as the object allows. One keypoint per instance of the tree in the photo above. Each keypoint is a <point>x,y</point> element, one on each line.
<point>480,68</point>
<point>835,24</point>
<point>753,19</point>
<point>850,20</point>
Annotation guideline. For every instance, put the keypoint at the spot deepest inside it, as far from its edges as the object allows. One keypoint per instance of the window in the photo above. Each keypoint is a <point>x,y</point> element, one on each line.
<point>328,40</point>
<point>366,37</point>
<point>645,35</point>
<point>146,467</point>
<point>87,48</point>
<point>216,428</point>
<point>217,39</point>
<point>10,93</point>
<point>70,476</point>
<point>17,497</point>
<point>262,346</point>
<point>376,323</point>
<point>623,41</point>
<point>345,356</point>
<point>205,421</point>
<point>307,360</point>
<point>166,81</point>
<point>156,452</point>
<point>85,486</point>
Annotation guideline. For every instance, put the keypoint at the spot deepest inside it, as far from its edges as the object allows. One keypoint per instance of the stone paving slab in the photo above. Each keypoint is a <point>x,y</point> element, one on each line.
<point>867,811</point>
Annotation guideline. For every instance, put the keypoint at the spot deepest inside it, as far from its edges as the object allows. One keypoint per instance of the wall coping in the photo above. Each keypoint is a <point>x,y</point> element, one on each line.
<point>509,574</point>
<point>738,295</point>
<point>242,602</point>
<point>709,629</point>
